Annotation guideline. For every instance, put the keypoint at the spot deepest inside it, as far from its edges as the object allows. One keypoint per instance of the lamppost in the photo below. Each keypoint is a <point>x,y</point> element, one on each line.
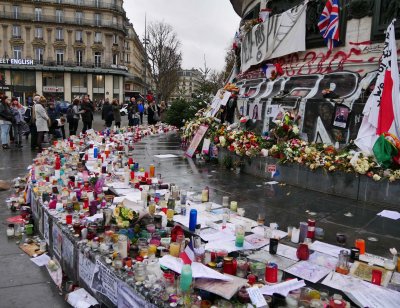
<point>146,41</point>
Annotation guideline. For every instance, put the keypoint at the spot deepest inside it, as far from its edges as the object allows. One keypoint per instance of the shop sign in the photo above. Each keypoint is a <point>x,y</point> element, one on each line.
<point>17,61</point>
<point>53,89</point>
<point>5,88</point>
<point>120,67</point>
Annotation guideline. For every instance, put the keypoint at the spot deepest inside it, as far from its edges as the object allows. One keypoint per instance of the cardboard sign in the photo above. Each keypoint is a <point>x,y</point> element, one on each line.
<point>196,140</point>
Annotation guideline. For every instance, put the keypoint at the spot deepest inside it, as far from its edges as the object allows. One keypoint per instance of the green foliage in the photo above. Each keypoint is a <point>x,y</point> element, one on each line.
<point>182,110</point>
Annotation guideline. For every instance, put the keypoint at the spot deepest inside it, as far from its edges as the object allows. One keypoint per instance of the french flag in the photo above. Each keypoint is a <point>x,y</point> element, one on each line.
<point>187,255</point>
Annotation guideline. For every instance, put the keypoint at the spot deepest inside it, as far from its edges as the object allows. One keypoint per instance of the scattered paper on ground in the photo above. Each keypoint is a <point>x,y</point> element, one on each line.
<point>283,288</point>
<point>389,214</point>
<point>41,260</point>
<point>165,156</point>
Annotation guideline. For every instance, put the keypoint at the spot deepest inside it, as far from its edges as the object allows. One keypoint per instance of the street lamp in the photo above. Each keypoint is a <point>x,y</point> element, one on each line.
<point>146,41</point>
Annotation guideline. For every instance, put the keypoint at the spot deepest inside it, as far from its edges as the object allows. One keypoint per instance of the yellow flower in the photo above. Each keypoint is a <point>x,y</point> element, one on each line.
<point>130,215</point>
<point>116,211</point>
<point>125,224</point>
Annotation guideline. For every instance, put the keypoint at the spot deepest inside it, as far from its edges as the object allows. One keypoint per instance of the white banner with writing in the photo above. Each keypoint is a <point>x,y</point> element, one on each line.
<point>277,36</point>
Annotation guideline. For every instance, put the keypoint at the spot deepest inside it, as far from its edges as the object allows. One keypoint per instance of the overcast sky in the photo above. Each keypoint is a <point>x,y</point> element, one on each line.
<point>204,27</point>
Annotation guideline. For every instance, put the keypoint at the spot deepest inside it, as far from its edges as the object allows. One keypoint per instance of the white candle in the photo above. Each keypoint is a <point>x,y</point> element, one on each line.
<point>295,235</point>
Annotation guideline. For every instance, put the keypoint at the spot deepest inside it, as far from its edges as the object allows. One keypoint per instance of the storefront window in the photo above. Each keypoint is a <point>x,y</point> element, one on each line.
<point>78,85</point>
<point>23,84</point>
<point>53,86</point>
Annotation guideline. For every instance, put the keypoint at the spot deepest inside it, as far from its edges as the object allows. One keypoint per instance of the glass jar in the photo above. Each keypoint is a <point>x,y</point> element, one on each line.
<point>342,266</point>
<point>118,262</point>
<point>140,272</point>
<point>228,267</point>
<point>303,252</point>
<point>123,245</point>
<point>242,267</point>
<point>10,230</point>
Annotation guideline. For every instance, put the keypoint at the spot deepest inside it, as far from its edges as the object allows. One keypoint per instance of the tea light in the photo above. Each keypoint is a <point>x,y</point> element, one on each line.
<point>295,235</point>
<point>174,249</point>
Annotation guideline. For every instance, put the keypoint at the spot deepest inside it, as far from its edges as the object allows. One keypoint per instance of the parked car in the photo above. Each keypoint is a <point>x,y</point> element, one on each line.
<point>62,106</point>
<point>124,110</point>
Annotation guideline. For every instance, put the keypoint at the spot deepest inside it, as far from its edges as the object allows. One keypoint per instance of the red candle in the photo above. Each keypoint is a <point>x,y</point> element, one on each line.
<point>85,203</point>
<point>271,273</point>
<point>68,219</point>
<point>376,277</point>
<point>311,229</point>
<point>130,161</point>
<point>303,253</point>
<point>251,279</point>
<point>132,175</point>
<point>146,174</point>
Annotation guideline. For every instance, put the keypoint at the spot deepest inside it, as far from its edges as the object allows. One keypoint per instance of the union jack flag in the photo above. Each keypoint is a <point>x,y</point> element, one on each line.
<point>329,23</point>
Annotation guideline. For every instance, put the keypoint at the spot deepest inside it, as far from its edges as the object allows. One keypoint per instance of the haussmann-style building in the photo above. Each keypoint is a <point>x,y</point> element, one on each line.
<point>66,48</point>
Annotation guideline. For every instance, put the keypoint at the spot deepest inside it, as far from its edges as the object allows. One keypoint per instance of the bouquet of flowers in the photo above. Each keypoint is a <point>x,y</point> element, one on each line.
<point>124,217</point>
<point>285,129</point>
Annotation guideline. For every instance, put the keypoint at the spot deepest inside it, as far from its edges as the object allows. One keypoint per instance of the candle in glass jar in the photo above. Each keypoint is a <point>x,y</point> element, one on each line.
<point>174,249</point>
<point>152,171</point>
<point>234,206</point>
<point>303,231</point>
<point>295,235</point>
<point>123,245</point>
<point>152,249</point>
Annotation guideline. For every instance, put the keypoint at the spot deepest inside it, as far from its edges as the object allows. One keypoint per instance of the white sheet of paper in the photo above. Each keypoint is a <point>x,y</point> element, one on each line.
<point>341,282</point>
<point>260,230</point>
<point>210,234</point>
<point>287,252</point>
<point>94,217</point>
<point>272,183</point>
<point>370,295</point>
<point>264,256</point>
<point>370,258</point>
<point>308,271</point>
<point>239,220</point>
<point>166,156</point>
<point>323,260</point>
<point>41,260</point>
<point>228,246</point>
<point>389,214</point>
<point>119,185</point>
<point>283,288</point>
<point>198,270</point>
<point>257,241</point>
<point>80,298</point>
<point>328,249</point>
<point>257,299</point>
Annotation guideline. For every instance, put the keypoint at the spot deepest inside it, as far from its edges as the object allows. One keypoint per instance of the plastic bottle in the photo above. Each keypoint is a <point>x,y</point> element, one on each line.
<point>186,278</point>
<point>193,220</point>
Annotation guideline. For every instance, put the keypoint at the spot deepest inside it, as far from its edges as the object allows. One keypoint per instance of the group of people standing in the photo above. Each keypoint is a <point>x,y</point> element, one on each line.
<point>111,112</point>
<point>40,119</point>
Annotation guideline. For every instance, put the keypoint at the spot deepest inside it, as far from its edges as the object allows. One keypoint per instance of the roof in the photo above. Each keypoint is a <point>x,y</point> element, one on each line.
<point>240,6</point>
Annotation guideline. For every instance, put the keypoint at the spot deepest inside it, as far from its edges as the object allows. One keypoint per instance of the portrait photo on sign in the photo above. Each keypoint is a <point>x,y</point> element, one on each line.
<point>341,116</point>
<point>255,111</point>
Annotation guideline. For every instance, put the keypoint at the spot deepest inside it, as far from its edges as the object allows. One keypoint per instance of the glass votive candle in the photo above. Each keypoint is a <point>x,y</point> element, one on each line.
<point>174,249</point>
<point>360,244</point>
<point>242,267</point>
<point>225,201</point>
<point>152,249</point>
<point>143,252</point>
<point>241,211</point>
<point>319,234</point>
<point>151,228</point>
<point>289,231</point>
<point>233,206</point>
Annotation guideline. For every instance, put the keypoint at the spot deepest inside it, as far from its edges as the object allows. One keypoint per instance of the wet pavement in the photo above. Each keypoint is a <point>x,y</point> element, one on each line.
<point>24,284</point>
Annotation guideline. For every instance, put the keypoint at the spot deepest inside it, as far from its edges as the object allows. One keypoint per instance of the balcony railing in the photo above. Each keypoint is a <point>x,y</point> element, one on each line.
<point>88,64</point>
<point>86,3</point>
<point>70,21</point>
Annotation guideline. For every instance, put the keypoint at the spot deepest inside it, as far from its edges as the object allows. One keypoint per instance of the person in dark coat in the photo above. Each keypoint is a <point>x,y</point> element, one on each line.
<point>87,115</point>
<point>107,114</point>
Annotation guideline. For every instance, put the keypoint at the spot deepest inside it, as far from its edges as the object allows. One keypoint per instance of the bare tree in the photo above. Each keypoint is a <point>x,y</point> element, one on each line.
<point>165,58</point>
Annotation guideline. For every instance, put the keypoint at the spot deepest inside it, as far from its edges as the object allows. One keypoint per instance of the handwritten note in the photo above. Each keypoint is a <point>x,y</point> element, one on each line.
<point>86,269</point>
<point>257,299</point>
<point>326,248</point>
<point>308,271</point>
<point>283,288</point>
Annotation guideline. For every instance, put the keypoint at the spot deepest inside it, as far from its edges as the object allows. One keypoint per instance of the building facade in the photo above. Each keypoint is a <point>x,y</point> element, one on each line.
<point>189,82</point>
<point>65,48</point>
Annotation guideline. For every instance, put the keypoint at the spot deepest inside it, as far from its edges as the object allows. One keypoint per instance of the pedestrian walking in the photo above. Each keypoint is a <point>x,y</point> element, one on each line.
<point>18,112</point>
<point>29,118</point>
<point>42,121</point>
<point>87,115</point>
<point>107,114</point>
<point>116,112</point>
<point>6,119</point>
<point>141,110</point>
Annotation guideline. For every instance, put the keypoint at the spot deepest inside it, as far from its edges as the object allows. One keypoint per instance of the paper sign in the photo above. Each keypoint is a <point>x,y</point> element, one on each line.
<point>271,168</point>
<point>271,111</point>
<point>105,282</point>
<point>46,230</point>
<point>256,297</point>
<point>41,260</point>
<point>127,298</point>
<point>86,269</point>
<point>57,241</point>
<point>206,146</point>
<point>68,253</point>
<point>196,140</point>
<point>308,271</point>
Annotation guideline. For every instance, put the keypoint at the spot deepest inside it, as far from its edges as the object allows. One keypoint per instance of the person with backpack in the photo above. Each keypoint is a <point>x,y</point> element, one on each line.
<point>141,110</point>
<point>6,119</point>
